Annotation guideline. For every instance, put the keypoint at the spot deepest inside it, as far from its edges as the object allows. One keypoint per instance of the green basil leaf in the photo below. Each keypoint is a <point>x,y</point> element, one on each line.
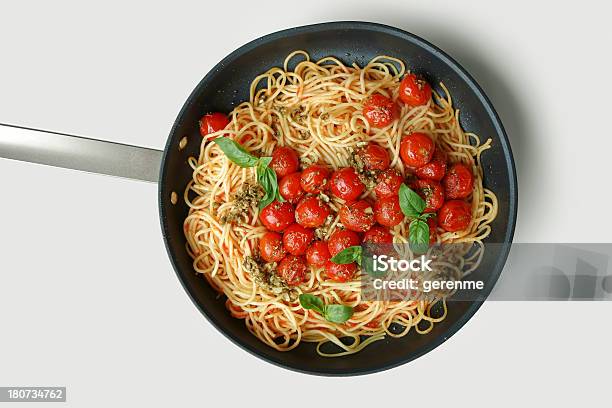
<point>368,266</point>
<point>236,153</point>
<point>411,203</point>
<point>266,177</point>
<point>348,255</point>
<point>309,301</point>
<point>419,236</point>
<point>338,313</point>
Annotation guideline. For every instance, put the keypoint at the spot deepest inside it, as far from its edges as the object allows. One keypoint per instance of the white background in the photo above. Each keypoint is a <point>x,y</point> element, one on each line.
<point>88,298</point>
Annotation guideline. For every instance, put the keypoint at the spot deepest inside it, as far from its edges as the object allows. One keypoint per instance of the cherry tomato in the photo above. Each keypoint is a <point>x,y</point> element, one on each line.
<point>284,161</point>
<point>414,91</point>
<point>388,212</point>
<point>380,111</point>
<point>374,157</point>
<point>311,212</point>
<point>292,269</point>
<point>271,247</point>
<point>296,239</point>
<point>357,216</point>
<point>340,240</point>
<point>290,188</point>
<point>378,235</point>
<point>435,169</point>
<point>315,179</point>
<point>345,184</point>
<point>317,254</point>
<point>416,149</point>
<point>459,181</point>
<point>430,191</point>
<point>213,122</point>
<point>340,272</point>
<point>389,182</point>
<point>277,216</point>
<point>455,215</point>
<point>432,222</point>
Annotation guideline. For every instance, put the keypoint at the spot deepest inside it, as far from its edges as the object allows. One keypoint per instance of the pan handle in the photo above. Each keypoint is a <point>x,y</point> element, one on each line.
<point>79,153</point>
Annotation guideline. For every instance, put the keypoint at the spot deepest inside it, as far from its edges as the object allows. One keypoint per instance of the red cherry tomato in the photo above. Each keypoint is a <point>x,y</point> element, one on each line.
<point>357,216</point>
<point>290,188</point>
<point>459,181</point>
<point>317,254</point>
<point>388,212</point>
<point>292,269</point>
<point>455,215</point>
<point>389,182</point>
<point>271,247</point>
<point>345,184</point>
<point>416,149</point>
<point>340,272</point>
<point>213,122</point>
<point>311,212</point>
<point>284,161</point>
<point>380,111</point>
<point>374,157</point>
<point>315,179</point>
<point>378,235</point>
<point>414,91</point>
<point>340,240</point>
<point>432,222</point>
<point>435,169</point>
<point>296,239</point>
<point>430,191</point>
<point>277,216</point>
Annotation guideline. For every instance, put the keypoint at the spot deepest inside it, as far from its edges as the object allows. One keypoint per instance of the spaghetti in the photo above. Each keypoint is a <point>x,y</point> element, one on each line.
<point>316,108</point>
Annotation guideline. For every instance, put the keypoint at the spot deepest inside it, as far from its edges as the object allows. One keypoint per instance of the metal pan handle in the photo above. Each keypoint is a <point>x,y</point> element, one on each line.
<point>79,153</point>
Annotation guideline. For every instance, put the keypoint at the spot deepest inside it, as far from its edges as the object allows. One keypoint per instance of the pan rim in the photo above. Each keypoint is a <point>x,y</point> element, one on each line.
<point>164,196</point>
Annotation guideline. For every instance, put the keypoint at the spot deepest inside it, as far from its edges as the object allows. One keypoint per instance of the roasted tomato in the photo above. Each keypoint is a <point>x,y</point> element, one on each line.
<point>317,254</point>
<point>455,215</point>
<point>315,178</point>
<point>357,216</point>
<point>378,235</point>
<point>388,212</point>
<point>380,111</point>
<point>345,184</point>
<point>414,91</point>
<point>213,122</point>
<point>292,269</point>
<point>435,169</point>
<point>340,272</point>
<point>432,222</point>
<point>285,161</point>
<point>340,240</point>
<point>389,182</point>
<point>374,157</point>
<point>311,212</point>
<point>416,149</point>
<point>430,191</point>
<point>277,216</point>
<point>296,239</point>
<point>290,188</point>
<point>459,181</point>
<point>271,247</point>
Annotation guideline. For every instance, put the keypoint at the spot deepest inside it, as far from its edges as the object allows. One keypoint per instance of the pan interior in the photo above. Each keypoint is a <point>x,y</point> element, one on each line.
<point>228,85</point>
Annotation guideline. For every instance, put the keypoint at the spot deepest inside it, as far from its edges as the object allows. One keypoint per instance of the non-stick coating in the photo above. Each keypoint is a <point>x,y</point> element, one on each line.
<point>227,84</point>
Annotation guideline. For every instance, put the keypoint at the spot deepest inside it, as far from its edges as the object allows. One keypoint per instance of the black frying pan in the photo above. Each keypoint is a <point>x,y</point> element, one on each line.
<point>227,84</point>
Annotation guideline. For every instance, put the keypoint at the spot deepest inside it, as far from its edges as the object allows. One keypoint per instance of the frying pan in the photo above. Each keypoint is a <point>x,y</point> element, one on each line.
<point>225,86</point>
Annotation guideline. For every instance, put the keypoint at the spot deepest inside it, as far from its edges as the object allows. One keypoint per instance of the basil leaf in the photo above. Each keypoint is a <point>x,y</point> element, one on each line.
<point>236,153</point>
<point>419,236</point>
<point>348,255</point>
<point>337,313</point>
<point>368,266</point>
<point>266,177</point>
<point>309,301</point>
<point>411,203</point>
